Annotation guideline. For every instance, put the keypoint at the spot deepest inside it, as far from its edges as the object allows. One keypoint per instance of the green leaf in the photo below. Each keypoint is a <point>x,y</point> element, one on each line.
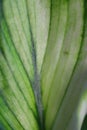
<point>43,64</point>
<point>84,125</point>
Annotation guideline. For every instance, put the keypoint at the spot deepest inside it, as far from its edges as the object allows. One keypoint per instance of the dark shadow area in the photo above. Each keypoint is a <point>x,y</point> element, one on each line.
<point>1,17</point>
<point>84,125</point>
<point>1,9</point>
<point>1,127</point>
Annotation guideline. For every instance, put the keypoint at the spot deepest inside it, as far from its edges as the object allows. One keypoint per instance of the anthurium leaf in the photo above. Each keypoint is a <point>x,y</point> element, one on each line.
<point>43,59</point>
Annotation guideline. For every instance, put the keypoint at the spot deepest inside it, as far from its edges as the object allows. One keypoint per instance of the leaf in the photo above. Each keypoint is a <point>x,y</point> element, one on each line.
<point>84,126</point>
<point>43,59</point>
<point>57,77</point>
<point>17,73</point>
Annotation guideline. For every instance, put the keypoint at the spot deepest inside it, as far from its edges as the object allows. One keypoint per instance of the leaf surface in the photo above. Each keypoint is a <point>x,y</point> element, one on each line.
<point>43,64</point>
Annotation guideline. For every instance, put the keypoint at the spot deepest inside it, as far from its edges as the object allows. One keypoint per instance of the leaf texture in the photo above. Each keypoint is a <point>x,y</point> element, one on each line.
<point>43,64</point>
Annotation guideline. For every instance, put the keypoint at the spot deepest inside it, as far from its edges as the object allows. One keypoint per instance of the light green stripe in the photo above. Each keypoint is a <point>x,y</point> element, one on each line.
<point>17,34</point>
<point>17,69</point>
<point>9,116</point>
<point>55,41</point>
<point>75,87</point>
<point>21,110</point>
<point>42,29</point>
<point>67,60</point>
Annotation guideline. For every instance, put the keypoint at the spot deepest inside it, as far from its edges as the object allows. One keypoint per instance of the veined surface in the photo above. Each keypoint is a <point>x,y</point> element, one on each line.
<point>43,64</point>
